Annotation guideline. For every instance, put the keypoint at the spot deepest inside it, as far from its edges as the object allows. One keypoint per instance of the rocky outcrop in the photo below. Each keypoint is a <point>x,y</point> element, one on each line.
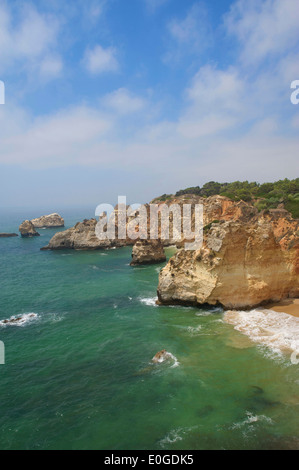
<point>48,221</point>
<point>162,356</point>
<point>148,252</point>
<point>27,230</point>
<point>18,321</point>
<point>240,265</point>
<point>80,237</point>
<point>8,235</point>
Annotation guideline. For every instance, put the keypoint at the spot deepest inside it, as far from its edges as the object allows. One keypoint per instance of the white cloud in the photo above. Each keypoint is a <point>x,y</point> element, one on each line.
<point>51,67</point>
<point>54,140</point>
<point>99,60</point>
<point>123,102</point>
<point>190,35</point>
<point>29,41</point>
<point>232,125</point>
<point>264,28</point>
<point>153,5</point>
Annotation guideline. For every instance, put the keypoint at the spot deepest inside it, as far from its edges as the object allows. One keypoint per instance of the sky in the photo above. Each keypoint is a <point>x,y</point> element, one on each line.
<point>144,97</point>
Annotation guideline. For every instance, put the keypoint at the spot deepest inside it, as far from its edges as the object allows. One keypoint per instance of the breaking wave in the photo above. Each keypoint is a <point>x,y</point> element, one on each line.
<point>21,320</point>
<point>149,301</point>
<point>276,330</point>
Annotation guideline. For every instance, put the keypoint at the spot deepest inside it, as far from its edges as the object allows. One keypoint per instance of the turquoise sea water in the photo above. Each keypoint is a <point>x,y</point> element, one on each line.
<point>79,376</point>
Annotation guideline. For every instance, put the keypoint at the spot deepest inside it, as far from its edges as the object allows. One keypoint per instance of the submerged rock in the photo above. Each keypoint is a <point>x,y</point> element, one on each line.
<point>148,252</point>
<point>8,235</point>
<point>48,221</point>
<point>27,230</point>
<point>19,320</point>
<point>162,356</point>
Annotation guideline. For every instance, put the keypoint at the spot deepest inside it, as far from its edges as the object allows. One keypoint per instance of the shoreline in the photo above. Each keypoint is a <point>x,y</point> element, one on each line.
<point>289,306</point>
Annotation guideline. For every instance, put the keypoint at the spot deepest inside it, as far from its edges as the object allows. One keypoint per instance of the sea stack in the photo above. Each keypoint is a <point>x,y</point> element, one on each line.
<point>240,266</point>
<point>48,221</point>
<point>148,252</point>
<point>27,230</point>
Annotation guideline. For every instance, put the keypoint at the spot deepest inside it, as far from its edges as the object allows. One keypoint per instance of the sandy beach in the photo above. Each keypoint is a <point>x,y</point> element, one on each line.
<point>290,306</point>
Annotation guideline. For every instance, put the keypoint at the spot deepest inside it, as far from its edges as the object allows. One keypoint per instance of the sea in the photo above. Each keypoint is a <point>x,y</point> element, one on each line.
<point>78,370</point>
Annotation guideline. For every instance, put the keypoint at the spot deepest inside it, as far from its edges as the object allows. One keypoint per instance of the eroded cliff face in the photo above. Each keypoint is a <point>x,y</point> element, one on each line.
<point>216,208</point>
<point>148,252</point>
<point>241,265</point>
<point>83,237</point>
<point>48,221</point>
<point>80,237</point>
<point>27,230</point>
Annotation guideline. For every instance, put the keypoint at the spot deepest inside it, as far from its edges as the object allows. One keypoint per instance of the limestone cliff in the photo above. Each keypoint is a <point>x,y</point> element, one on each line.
<point>240,265</point>
<point>82,237</point>
<point>148,252</point>
<point>48,221</point>
<point>27,230</point>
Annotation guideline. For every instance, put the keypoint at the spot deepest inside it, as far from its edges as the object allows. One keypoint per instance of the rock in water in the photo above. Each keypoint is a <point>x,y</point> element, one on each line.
<point>162,356</point>
<point>239,266</point>
<point>148,252</point>
<point>48,221</point>
<point>27,230</point>
<point>8,235</point>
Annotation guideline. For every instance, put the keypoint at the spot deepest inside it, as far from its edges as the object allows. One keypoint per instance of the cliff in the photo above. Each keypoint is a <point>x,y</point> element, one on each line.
<point>82,237</point>
<point>27,230</point>
<point>48,221</point>
<point>148,252</point>
<point>241,265</point>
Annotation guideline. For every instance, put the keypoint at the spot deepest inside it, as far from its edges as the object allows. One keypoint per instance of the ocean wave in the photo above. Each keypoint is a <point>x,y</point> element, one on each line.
<point>194,330</point>
<point>20,320</point>
<point>175,435</point>
<point>276,330</point>
<point>149,301</point>
<point>165,356</point>
<point>251,419</point>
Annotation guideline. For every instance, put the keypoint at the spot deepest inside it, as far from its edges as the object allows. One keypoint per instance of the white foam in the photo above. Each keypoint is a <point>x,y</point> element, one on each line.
<point>176,435</point>
<point>276,330</point>
<point>21,320</point>
<point>167,356</point>
<point>149,301</point>
<point>251,419</point>
<point>194,330</point>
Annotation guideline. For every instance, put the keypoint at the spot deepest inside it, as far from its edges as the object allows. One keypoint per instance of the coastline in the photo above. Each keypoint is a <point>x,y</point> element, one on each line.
<point>289,306</point>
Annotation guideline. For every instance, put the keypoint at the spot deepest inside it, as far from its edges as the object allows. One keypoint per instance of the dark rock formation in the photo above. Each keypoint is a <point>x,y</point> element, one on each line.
<point>8,235</point>
<point>27,230</point>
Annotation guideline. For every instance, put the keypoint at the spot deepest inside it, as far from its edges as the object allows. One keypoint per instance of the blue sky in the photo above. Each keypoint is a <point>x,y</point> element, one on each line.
<point>144,97</point>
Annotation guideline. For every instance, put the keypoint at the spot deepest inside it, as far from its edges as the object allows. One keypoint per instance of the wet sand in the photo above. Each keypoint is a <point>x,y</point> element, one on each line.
<point>290,306</point>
